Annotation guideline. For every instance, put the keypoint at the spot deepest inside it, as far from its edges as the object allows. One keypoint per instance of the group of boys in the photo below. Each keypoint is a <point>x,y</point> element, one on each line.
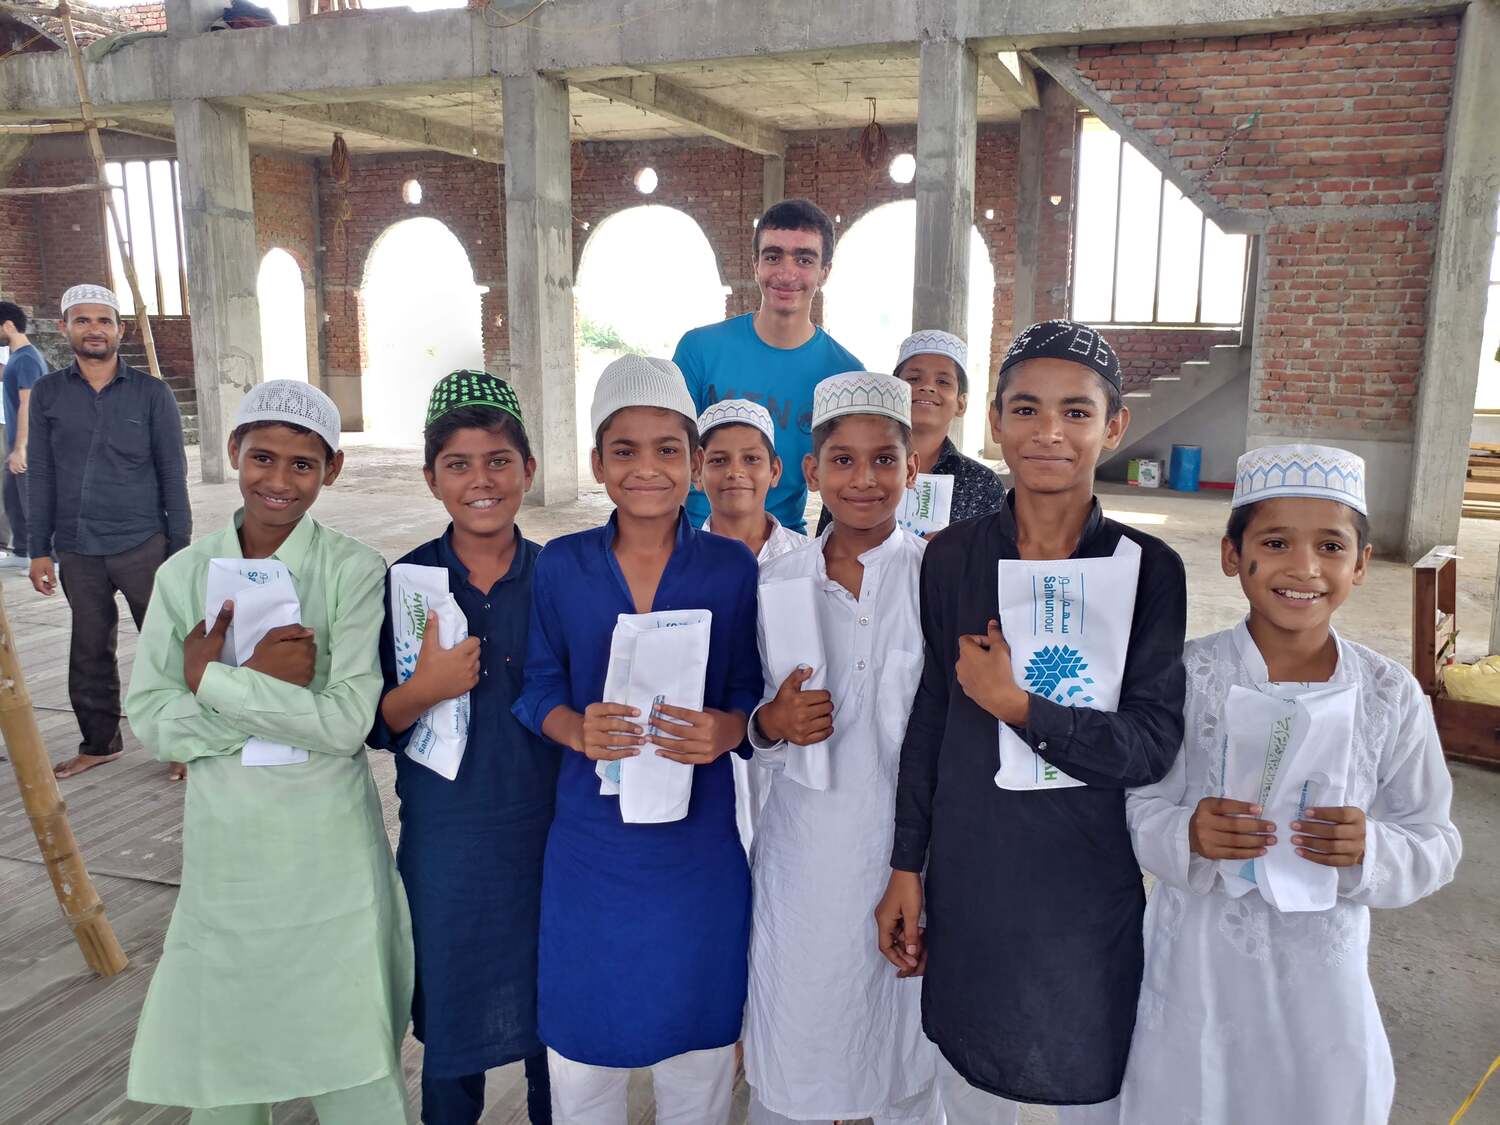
<point>1013,955</point>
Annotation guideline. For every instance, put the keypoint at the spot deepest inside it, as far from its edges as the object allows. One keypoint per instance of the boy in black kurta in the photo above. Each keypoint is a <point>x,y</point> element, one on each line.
<point>1032,948</point>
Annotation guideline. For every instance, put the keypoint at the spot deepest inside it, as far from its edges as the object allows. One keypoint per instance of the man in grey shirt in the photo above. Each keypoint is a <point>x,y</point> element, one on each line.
<point>107,492</point>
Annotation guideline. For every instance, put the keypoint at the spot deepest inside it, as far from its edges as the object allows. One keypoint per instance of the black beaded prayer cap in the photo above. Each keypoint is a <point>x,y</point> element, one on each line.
<point>1065,339</point>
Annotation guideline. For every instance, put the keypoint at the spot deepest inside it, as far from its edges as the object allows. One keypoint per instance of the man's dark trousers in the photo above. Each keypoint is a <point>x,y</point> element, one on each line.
<point>89,582</point>
<point>14,500</point>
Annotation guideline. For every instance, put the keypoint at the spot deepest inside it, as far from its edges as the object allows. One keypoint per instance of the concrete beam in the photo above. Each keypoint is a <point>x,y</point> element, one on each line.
<point>773,182</point>
<point>191,17</point>
<point>325,60</point>
<point>539,275</point>
<point>1012,76</point>
<point>1456,301</point>
<point>687,107</point>
<point>376,120</point>
<point>218,217</point>
<point>947,117</point>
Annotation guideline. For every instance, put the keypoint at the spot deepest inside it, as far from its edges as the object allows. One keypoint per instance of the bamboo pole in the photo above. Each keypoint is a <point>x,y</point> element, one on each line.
<point>91,131</point>
<point>68,190</point>
<point>50,127</point>
<point>48,813</point>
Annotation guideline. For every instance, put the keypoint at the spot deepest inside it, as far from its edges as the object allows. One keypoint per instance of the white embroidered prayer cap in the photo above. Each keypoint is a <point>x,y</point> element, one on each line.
<point>293,403</point>
<point>1320,472</point>
<point>640,380</point>
<point>861,392</point>
<point>739,411</point>
<point>88,295</point>
<point>934,341</point>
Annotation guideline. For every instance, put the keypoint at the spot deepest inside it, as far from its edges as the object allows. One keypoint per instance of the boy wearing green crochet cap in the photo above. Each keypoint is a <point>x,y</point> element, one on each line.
<point>471,843</point>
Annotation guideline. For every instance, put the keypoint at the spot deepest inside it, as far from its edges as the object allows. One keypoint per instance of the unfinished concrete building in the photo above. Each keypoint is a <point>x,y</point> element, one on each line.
<point>1353,141</point>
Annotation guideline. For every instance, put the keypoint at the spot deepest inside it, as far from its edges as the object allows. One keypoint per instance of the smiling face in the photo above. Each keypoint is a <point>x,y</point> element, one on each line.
<point>644,461</point>
<point>789,268</point>
<point>1052,423</point>
<point>481,476</point>
<point>935,397</point>
<point>862,470</point>
<point>281,472</point>
<point>1297,561</point>
<point>93,331</point>
<point>738,470</point>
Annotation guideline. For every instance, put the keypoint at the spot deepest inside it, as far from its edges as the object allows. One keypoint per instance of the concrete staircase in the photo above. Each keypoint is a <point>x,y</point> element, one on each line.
<point>1167,396</point>
<point>183,389</point>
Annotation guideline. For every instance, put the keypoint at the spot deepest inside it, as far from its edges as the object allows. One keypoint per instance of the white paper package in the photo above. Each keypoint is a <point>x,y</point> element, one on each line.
<point>789,637</point>
<point>1287,750</point>
<point>655,658</point>
<point>927,505</point>
<point>264,599</point>
<point>420,597</point>
<point>1067,622</point>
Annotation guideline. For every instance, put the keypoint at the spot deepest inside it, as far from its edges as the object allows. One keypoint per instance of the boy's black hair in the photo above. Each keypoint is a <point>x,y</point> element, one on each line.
<point>238,436</point>
<point>1114,400</point>
<point>822,433</point>
<point>690,424</point>
<point>1239,522</point>
<point>475,417</point>
<point>13,312</point>
<point>963,376</point>
<point>760,433</point>
<point>796,214</point>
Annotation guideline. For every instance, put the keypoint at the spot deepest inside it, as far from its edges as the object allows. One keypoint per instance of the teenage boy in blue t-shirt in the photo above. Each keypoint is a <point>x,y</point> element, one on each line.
<point>775,356</point>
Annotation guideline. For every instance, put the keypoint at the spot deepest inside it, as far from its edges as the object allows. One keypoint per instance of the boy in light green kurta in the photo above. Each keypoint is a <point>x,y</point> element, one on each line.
<point>287,970</point>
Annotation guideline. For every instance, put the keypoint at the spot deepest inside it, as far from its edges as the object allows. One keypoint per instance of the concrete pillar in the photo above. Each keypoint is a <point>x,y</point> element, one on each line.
<point>539,275</point>
<point>947,117</point>
<point>218,217</point>
<point>773,181</point>
<point>1456,301</point>
<point>186,18</point>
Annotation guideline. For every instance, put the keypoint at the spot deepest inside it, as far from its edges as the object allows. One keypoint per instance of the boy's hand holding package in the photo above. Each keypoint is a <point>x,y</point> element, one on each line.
<point>697,738</point>
<point>1332,837</point>
<point>800,717</point>
<point>203,646</point>
<point>984,672</point>
<point>445,673</point>
<point>604,735</point>
<point>1225,829</point>
<point>288,653</point>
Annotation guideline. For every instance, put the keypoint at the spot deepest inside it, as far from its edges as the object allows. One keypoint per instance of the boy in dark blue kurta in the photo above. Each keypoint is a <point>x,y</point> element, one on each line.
<point>645,927</point>
<point>471,848</point>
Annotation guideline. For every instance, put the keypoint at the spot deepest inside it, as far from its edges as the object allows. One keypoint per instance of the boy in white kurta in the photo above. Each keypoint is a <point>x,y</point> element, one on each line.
<point>830,1032</point>
<point>1248,1013</point>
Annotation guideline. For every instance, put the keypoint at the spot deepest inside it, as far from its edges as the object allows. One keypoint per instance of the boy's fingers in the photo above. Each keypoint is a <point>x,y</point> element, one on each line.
<point>1223,806</point>
<point>602,710</point>
<point>1342,815</point>
<point>799,676</point>
<point>682,714</point>
<point>1329,859</point>
<point>1330,831</point>
<point>221,622</point>
<point>1237,825</point>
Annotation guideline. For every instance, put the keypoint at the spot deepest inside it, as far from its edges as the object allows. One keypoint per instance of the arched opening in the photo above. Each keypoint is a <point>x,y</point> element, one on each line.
<point>422,321</point>
<point>867,302</point>
<point>625,306</point>
<point>283,316</point>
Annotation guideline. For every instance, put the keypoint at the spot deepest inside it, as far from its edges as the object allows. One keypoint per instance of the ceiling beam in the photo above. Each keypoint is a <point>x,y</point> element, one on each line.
<point>375,120</point>
<point>688,107</point>
<point>1011,75</point>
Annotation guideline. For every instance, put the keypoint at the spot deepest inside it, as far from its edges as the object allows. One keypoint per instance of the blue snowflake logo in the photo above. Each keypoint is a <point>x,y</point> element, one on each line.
<point>1056,672</point>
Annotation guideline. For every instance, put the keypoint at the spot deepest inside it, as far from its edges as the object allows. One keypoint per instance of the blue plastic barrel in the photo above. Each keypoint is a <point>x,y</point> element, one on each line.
<point>1187,461</point>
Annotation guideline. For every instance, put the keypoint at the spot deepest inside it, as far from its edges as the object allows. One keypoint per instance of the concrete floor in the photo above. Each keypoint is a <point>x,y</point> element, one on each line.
<point>1436,966</point>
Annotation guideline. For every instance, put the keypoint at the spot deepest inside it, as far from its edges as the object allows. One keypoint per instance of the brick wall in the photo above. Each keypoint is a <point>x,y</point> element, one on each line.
<point>462,194</point>
<point>141,17</point>
<point>70,230</point>
<point>286,192</point>
<point>1349,121</point>
<point>1146,353</point>
<point>20,249</point>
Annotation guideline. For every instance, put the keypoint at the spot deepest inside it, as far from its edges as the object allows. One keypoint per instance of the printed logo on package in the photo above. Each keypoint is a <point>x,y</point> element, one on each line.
<point>1056,672</point>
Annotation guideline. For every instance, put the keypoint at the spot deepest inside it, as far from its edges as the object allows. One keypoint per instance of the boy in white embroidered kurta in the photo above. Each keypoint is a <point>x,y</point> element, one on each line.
<point>831,1033</point>
<point>1248,1013</point>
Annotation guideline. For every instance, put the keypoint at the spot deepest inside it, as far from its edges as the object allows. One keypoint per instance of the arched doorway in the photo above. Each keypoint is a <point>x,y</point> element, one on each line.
<point>867,302</point>
<point>283,316</point>
<point>625,303</point>
<point>422,321</point>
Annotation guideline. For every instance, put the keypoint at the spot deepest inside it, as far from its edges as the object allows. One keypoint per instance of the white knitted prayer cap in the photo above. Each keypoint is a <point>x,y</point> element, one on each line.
<point>737,410</point>
<point>293,403</point>
<point>861,392</point>
<point>934,341</point>
<point>89,295</point>
<point>1320,472</point>
<point>641,380</point>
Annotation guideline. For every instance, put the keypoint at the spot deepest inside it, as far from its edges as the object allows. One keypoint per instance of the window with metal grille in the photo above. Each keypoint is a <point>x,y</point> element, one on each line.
<point>148,199</point>
<point>1143,253</point>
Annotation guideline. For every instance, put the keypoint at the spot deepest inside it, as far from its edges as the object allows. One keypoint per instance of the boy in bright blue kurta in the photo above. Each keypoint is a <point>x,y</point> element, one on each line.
<point>645,927</point>
<point>477,839</point>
